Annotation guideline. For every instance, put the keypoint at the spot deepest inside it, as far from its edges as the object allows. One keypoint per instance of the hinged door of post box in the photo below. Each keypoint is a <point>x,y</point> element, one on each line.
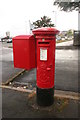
<point>45,63</point>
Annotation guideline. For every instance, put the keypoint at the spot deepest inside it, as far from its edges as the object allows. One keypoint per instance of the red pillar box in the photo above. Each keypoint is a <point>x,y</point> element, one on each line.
<point>24,51</point>
<point>45,64</point>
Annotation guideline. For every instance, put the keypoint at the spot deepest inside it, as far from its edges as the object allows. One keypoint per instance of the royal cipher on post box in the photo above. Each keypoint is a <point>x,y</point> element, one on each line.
<point>45,38</point>
<point>24,51</point>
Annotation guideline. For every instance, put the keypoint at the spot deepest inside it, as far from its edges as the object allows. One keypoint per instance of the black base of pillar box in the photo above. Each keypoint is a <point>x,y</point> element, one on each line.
<point>45,97</point>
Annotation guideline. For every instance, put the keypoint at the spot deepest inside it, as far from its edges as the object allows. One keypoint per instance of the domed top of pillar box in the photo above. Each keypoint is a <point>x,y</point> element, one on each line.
<point>46,31</point>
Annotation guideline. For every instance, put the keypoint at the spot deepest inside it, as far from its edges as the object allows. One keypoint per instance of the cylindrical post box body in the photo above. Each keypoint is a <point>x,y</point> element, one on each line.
<point>45,65</point>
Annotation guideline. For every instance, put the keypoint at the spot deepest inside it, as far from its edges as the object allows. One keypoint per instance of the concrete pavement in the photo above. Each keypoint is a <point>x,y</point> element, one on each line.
<point>67,45</point>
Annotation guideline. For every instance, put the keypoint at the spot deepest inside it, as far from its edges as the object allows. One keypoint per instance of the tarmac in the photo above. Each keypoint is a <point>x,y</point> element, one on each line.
<point>6,63</point>
<point>16,104</point>
<point>66,79</point>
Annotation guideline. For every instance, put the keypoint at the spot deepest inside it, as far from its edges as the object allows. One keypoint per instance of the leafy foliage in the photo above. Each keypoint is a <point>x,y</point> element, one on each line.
<point>67,6</point>
<point>43,22</point>
<point>69,33</point>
